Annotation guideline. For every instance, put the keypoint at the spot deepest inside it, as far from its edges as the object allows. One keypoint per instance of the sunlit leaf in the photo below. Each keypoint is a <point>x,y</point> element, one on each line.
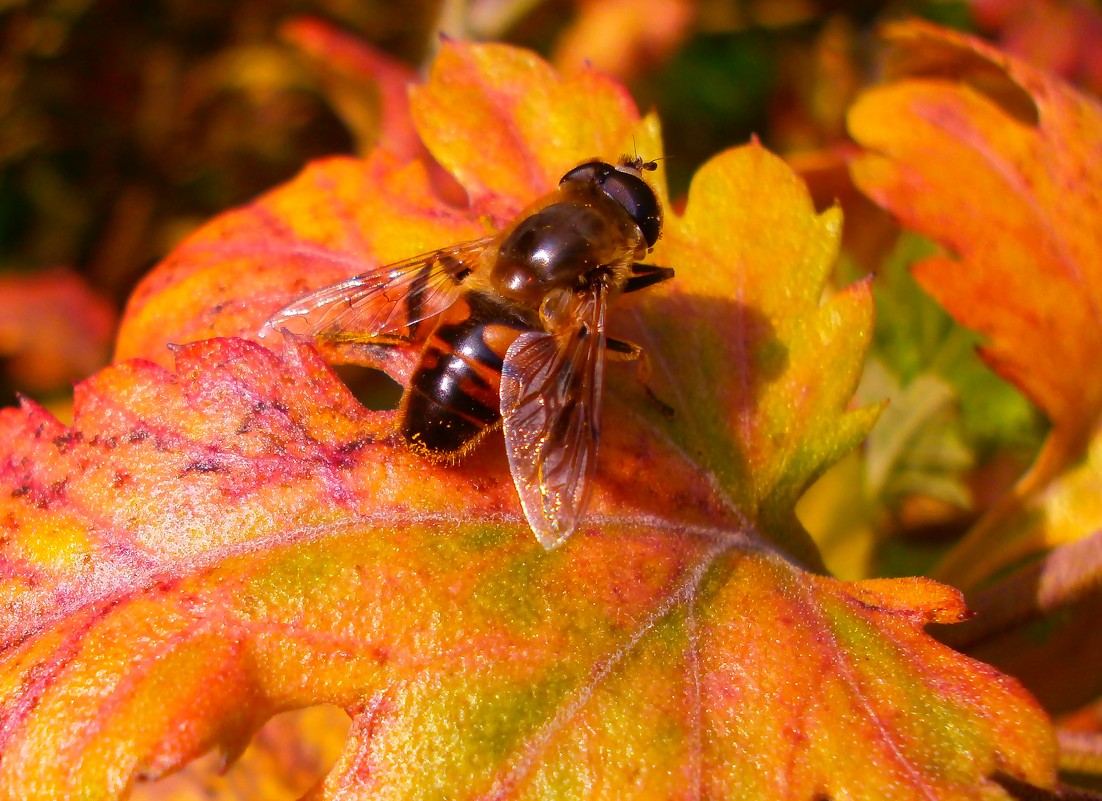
<point>235,536</point>
<point>997,162</point>
<point>343,216</point>
<point>199,553</point>
<point>741,338</point>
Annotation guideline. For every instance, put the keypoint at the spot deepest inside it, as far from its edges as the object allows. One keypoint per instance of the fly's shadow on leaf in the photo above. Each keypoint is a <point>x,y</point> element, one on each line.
<point>770,354</point>
<point>760,355</point>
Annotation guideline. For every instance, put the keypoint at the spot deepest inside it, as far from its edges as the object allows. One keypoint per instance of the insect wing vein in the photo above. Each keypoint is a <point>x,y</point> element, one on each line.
<point>389,300</point>
<point>550,405</point>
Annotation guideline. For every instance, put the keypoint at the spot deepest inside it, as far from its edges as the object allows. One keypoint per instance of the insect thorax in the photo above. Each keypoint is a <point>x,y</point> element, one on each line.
<point>565,245</point>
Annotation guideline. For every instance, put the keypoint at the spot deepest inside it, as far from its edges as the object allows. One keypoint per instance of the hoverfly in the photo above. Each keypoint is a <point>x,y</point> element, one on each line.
<point>517,333</point>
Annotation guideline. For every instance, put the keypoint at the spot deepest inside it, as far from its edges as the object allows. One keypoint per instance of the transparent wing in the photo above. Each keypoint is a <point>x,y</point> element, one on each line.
<point>389,300</point>
<point>551,409</point>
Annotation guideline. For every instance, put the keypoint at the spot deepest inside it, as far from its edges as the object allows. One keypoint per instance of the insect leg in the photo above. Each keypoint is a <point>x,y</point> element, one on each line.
<point>358,349</point>
<point>623,351</point>
<point>644,275</point>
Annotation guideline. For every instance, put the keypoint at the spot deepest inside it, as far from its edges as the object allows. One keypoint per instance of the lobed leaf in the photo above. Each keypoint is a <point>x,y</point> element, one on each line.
<point>196,554</point>
<point>508,127</point>
<point>741,336</point>
<point>212,544</point>
<point>342,217</point>
<point>997,162</point>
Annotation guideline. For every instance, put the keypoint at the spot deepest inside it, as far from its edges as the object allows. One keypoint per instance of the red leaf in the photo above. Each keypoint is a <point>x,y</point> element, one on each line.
<point>196,554</point>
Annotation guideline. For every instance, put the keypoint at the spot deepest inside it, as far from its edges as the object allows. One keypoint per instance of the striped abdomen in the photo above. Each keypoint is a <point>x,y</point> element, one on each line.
<point>452,399</point>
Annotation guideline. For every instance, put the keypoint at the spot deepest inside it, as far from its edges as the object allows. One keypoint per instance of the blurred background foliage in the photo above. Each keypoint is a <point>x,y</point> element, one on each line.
<point>124,126</point>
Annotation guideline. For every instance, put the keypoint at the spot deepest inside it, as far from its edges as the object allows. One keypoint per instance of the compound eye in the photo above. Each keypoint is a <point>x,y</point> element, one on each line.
<point>590,172</point>
<point>638,200</point>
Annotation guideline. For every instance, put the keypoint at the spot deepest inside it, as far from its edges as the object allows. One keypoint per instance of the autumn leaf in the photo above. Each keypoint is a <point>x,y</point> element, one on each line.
<point>366,87</point>
<point>284,760</point>
<point>945,448</point>
<point>624,37</point>
<point>225,533</point>
<point>1060,37</point>
<point>252,559</point>
<point>344,216</point>
<point>53,329</point>
<point>997,162</point>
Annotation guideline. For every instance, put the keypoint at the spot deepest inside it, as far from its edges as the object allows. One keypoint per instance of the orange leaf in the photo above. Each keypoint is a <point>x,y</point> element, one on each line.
<point>287,757</point>
<point>53,329</point>
<point>508,127</point>
<point>368,88</point>
<point>209,546</point>
<point>202,550</point>
<point>997,161</point>
<point>1060,36</point>
<point>624,37</point>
